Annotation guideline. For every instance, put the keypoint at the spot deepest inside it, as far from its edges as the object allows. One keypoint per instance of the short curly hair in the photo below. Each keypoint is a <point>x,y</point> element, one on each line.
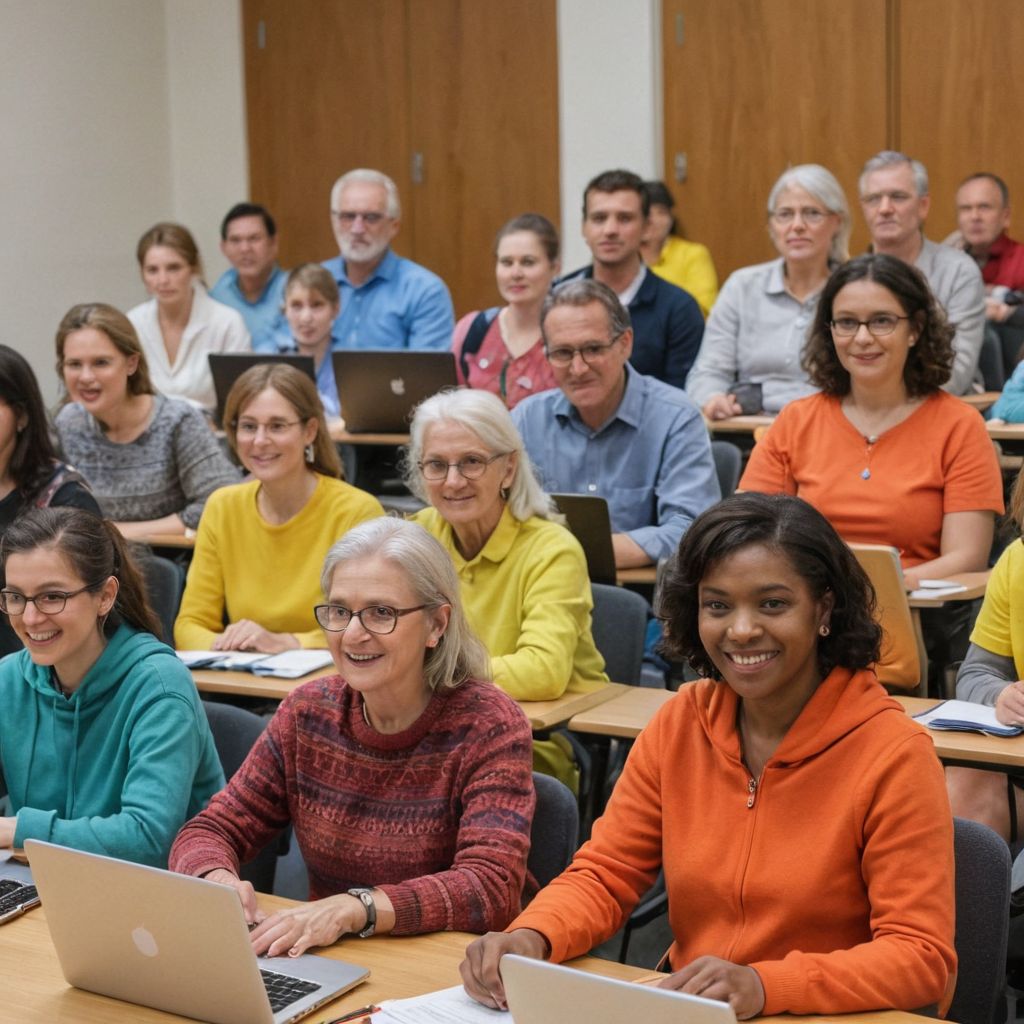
<point>929,362</point>
<point>806,538</point>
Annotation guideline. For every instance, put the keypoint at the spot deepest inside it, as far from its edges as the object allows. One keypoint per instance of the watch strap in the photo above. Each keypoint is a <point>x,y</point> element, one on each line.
<point>365,896</point>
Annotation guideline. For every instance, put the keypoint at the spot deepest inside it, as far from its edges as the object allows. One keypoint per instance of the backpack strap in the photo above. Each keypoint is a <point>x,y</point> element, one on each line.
<point>475,337</point>
<point>63,475</point>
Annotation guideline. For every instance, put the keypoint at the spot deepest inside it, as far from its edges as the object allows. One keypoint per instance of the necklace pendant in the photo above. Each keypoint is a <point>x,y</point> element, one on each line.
<point>865,474</point>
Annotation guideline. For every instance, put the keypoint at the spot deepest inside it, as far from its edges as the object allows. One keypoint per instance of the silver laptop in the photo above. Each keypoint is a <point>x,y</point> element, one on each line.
<point>170,941</point>
<point>539,992</point>
<point>378,389</point>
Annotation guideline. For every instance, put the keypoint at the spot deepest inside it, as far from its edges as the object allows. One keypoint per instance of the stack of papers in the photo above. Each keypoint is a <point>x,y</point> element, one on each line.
<point>936,589</point>
<point>965,716</point>
<point>449,1006</point>
<point>287,665</point>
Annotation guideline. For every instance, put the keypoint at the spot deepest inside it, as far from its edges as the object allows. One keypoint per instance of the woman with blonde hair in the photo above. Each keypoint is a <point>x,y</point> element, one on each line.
<point>261,542</point>
<point>181,325</point>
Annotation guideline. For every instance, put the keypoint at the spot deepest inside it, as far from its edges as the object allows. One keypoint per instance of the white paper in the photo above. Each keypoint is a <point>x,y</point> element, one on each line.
<point>287,665</point>
<point>449,1006</point>
<point>936,589</point>
<point>963,715</point>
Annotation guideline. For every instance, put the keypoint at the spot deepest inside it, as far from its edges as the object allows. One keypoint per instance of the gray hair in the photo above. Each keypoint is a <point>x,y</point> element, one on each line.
<point>892,158</point>
<point>485,415</point>
<point>426,565</point>
<point>822,185</point>
<point>582,291</point>
<point>371,177</point>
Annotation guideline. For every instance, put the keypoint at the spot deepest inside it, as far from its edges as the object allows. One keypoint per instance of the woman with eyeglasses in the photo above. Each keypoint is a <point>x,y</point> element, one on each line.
<point>260,543</point>
<point>750,359</point>
<point>406,776</point>
<point>104,745</point>
<point>523,575</point>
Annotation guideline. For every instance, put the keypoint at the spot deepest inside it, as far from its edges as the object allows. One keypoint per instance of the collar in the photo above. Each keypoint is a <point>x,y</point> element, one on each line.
<point>386,269</point>
<point>630,408</point>
<point>630,293</point>
<point>637,285</point>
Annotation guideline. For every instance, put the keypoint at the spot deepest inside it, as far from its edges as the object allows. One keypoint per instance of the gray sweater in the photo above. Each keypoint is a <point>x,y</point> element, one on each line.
<point>172,467</point>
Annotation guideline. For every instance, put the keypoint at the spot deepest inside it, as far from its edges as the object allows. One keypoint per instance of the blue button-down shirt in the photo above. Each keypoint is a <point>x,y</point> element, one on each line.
<point>325,383</point>
<point>403,305</point>
<point>651,460</point>
<point>264,317</point>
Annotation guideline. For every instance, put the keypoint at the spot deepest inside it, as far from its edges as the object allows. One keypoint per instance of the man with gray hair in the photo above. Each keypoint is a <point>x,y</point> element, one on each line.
<point>895,200</point>
<point>614,433</point>
<point>386,301</point>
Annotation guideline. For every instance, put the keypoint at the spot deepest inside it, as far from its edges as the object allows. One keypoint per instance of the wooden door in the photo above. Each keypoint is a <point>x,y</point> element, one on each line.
<point>753,86</point>
<point>961,96</point>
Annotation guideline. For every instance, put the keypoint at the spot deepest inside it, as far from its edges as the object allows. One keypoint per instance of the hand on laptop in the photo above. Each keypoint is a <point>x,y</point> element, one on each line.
<point>713,978</point>
<point>246,893</point>
<point>320,923</point>
<point>479,970</point>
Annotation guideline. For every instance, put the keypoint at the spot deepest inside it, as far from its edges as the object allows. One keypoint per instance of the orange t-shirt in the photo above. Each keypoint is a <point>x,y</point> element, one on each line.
<point>938,460</point>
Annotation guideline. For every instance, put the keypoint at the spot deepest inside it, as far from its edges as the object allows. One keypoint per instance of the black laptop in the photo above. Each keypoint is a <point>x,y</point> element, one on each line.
<point>587,516</point>
<point>227,367</point>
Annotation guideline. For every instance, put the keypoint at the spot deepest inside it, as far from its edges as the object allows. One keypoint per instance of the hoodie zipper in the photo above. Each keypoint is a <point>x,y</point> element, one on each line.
<point>751,792</point>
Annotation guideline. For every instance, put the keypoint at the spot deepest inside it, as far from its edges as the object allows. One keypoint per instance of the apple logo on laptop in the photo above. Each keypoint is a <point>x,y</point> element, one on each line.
<point>398,386</point>
<point>144,941</point>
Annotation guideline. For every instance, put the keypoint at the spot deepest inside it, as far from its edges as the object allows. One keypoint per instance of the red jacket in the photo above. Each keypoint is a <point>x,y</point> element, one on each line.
<point>832,878</point>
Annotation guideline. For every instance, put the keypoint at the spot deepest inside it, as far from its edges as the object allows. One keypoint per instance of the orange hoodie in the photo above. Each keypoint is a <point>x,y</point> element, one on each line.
<point>831,876</point>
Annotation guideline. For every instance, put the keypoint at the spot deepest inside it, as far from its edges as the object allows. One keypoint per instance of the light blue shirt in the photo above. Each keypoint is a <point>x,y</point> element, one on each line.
<point>264,317</point>
<point>325,384</point>
<point>403,305</point>
<point>651,460</point>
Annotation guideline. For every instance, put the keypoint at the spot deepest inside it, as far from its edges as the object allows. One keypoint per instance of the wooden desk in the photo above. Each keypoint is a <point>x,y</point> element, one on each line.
<point>624,716</point>
<point>983,401</point>
<point>642,574</point>
<point>975,582</point>
<point>1005,431</point>
<point>547,714</point>
<point>739,424</point>
<point>969,749</point>
<point>339,435</point>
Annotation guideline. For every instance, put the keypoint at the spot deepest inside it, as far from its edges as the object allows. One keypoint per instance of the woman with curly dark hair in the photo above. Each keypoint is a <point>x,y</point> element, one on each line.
<point>882,452</point>
<point>788,799</point>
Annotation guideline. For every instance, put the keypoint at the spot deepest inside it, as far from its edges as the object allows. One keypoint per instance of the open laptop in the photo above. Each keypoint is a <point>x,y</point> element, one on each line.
<point>379,389</point>
<point>587,516</point>
<point>539,992</point>
<point>17,890</point>
<point>171,942</point>
<point>227,367</point>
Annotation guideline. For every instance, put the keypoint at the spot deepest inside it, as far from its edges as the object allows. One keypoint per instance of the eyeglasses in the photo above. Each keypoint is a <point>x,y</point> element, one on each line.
<point>896,198</point>
<point>50,603</point>
<point>470,467</point>
<point>377,618</point>
<point>878,326</point>
<point>349,217</point>
<point>592,352</point>
<point>808,214</point>
<point>275,428</point>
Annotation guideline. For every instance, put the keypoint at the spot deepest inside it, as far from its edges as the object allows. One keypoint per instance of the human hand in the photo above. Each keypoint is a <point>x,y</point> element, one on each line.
<point>246,635</point>
<point>319,923</point>
<point>997,311</point>
<point>7,829</point>
<point>911,580</point>
<point>246,893</point>
<point>996,422</point>
<point>479,970</point>
<point>721,407</point>
<point>1010,704</point>
<point>708,976</point>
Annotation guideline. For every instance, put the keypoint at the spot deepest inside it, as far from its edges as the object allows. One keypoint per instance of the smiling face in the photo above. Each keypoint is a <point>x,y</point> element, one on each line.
<point>892,208</point>
<point>249,247</point>
<point>385,669</point>
<point>802,227</point>
<point>310,317</point>
<point>270,443</point>
<point>69,640</point>
<point>614,227</point>
<point>523,271</point>
<point>759,622</point>
<point>96,372</point>
<point>167,274</point>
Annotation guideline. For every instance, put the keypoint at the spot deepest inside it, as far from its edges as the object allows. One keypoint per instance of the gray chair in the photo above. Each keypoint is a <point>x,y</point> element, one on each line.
<point>165,582</point>
<point>728,466</point>
<point>619,627</point>
<point>235,730</point>
<point>555,829</point>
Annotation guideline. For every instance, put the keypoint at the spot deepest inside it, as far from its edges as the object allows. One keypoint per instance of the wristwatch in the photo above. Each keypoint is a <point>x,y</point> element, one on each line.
<point>365,896</point>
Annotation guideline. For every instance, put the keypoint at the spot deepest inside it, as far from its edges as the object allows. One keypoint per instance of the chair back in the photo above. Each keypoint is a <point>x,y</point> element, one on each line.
<point>165,582</point>
<point>982,921</point>
<point>728,466</point>
<point>554,831</point>
<point>619,627</point>
<point>904,664</point>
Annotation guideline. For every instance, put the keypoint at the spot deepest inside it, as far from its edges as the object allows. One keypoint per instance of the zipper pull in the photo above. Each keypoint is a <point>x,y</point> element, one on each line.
<point>752,792</point>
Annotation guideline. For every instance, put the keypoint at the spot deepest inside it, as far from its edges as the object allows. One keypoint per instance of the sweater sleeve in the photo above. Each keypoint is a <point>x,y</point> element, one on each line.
<point>164,752</point>
<point>717,364</point>
<point>909,959</point>
<point>201,615</point>
<point>768,468</point>
<point>202,465</point>
<point>984,675</point>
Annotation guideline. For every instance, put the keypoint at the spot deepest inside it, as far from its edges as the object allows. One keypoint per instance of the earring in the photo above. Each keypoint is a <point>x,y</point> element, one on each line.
<point>504,492</point>
<point>309,454</point>
<point>824,630</point>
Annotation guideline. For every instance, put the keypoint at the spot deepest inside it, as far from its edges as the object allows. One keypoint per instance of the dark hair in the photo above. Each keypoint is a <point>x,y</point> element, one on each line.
<point>247,210</point>
<point>930,359</point>
<point>814,549</point>
<point>536,224</point>
<point>582,291</point>
<point>658,194</point>
<point>1015,509</point>
<point>34,454</point>
<point>618,181</point>
<point>118,328</point>
<point>1004,191</point>
<point>96,551</point>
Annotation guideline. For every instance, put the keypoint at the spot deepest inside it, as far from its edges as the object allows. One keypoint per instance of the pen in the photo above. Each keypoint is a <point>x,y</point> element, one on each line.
<point>353,1015</point>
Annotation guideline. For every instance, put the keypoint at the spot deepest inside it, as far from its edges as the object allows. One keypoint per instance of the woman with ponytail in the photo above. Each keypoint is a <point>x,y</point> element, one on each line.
<point>104,745</point>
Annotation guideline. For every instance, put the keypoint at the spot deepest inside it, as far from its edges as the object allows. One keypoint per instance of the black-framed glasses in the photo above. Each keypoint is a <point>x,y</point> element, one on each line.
<point>376,618</point>
<point>470,467</point>
<point>51,602</point>
<point>878,326</point>
<point>592,352</point>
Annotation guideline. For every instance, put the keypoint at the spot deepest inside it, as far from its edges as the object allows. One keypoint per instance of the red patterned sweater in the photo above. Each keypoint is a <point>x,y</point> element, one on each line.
<point>437,816</point>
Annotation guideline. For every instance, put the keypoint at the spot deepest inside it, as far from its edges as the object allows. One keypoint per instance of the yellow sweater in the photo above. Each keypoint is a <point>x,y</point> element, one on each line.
<point>527,596</point>
<point>689,265</point>
<point>246,568</point>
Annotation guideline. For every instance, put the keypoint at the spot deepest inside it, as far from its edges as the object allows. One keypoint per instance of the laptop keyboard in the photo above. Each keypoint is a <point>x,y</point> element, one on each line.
<point>16,898</point>
<point>284,990</point>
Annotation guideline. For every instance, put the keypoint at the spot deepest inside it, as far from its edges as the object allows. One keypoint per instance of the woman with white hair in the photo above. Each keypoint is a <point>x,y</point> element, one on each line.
<point>524,576</point>
<point>756,331</point>
<point>406,776</point>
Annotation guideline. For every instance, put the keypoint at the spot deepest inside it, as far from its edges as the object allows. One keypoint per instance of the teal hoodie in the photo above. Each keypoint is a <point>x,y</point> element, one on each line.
<point>119,767</point>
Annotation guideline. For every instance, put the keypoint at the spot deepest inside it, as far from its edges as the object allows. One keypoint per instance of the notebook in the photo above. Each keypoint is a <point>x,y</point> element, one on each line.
<point>539,992</point>
<point>168,941</point>
<point>379,389</point>
<point>227,367</point>
<point>292,664</point>
<point>587,516</point>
